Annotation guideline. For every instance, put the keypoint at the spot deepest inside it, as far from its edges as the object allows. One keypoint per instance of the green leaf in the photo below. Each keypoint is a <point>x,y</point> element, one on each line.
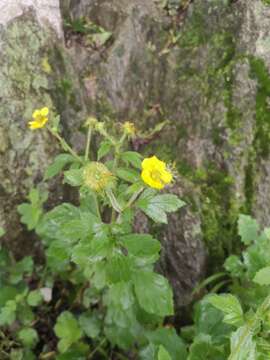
<point>230,306</point>
<point>58,164</point>
<point>67,223</point>
<point>100,39</point>
<point>2,232</point>
<point>73,177</point>
<point>157,206</point>
<point>17,271</point>
<point>234,266</point>
<point>90,324</point>
<point>128,175</point>
<point>120,295</point>
<point>58,255</point>
<point>34,298</point>
<point>91,251</point>
<point>8,313</point>
<point>68,330</point>
<point>248,229</point>
<point>28,336</point>
<point>143,247</point>
<point>104,148</point>
<point>208,320</point>
<point>153,293</point>
<point>133,158</point>
<point>262,277</point>
<point>7,293</point>
<point>168,338</point>
<point>203,348</point>
<point>31,213</point>
<point>242,345</point>
<point>118,268</point>
<point>163,354</point>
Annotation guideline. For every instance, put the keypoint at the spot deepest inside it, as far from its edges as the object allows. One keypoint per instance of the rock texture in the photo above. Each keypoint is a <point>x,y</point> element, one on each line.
<point>205,70</point>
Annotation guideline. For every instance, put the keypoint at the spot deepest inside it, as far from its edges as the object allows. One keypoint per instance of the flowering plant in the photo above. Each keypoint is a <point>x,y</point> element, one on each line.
<point>118,298</point>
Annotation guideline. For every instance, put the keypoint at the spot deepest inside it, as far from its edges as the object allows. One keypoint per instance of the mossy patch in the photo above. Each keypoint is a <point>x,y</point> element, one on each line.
<point>262,135</point>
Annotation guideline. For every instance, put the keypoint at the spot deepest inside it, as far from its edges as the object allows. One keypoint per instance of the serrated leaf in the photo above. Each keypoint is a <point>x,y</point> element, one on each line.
<point>143,247</point>
<point>68,330</point>
<point>104,149</point>
<point>73,177</point>
<point>242,345</point>
<point>58,164</point>
<point>168,338</point>
<point>262,277</point>
<point>204,348</point>
<point>31,212</point>
<point>28,336</point>
<point>230,306</point>
<point>56,223</point>
<point>128,175</point>
<point>163,354</point>
<point>234,265</point>
<point>248,229</point>
<point>153,293</point>
<point>157,206</point>
<point>118,268</point>
<point>90,324</point>
<point>133,158</point>
<point>8,313</point>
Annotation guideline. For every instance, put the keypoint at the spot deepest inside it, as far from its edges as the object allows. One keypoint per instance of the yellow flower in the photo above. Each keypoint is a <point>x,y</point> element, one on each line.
<point>40,117</point>
<point>129,128</point>
<point>97,177</point>
<point>155,173</point>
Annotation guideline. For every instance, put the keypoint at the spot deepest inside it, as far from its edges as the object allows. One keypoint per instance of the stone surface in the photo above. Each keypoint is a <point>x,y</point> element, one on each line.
<point>32,71</point>
<point>47,12</point>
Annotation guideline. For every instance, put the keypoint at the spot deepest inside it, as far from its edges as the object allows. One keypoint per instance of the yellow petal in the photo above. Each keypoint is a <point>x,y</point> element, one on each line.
<point>148,179</point>
<point>44,111</point>
<point>166,176</point>
<point>36,114</point>
<point>153,162</point>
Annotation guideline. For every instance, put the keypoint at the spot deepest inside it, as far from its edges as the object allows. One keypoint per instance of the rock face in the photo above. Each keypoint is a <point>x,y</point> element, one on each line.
<point>205,70</point>
<point>33,67</point>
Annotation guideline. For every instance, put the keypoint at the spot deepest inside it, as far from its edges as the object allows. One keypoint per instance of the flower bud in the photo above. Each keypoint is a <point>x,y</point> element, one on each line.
<point>97,177</point>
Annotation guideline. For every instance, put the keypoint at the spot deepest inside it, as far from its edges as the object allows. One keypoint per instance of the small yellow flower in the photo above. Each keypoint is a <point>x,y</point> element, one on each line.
<point>97,177</point>
<point>40,117</point>
<point>129,128</point>
<point>155,173</point>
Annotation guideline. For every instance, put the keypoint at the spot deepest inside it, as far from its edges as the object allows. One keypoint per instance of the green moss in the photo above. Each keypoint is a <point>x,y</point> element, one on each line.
<point>262,135</point>
<point>266,2</point>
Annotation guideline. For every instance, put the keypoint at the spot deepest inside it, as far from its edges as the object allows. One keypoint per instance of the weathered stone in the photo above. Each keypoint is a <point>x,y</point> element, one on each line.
<point>32,70</point>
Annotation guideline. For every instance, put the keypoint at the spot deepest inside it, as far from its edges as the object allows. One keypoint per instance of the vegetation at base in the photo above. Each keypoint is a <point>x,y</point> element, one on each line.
<point>53,310</point>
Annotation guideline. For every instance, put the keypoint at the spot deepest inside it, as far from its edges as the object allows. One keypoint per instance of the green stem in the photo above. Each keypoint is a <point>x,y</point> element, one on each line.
<point>96,349</point>
<point>113,201</point>
<point>133,198</point>
<point>65,146</point>
<point>97,206</point>
<point>88,143</point>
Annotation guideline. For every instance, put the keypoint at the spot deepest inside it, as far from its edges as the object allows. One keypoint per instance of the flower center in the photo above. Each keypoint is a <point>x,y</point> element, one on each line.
<point>156,175</point>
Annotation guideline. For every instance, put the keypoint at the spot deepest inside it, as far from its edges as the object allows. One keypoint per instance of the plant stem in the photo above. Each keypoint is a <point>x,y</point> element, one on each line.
<point>97,206</point>
<point>65,146</point>
<point>88,143</point>
<point>133,198</point>
<point>96,348</point>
